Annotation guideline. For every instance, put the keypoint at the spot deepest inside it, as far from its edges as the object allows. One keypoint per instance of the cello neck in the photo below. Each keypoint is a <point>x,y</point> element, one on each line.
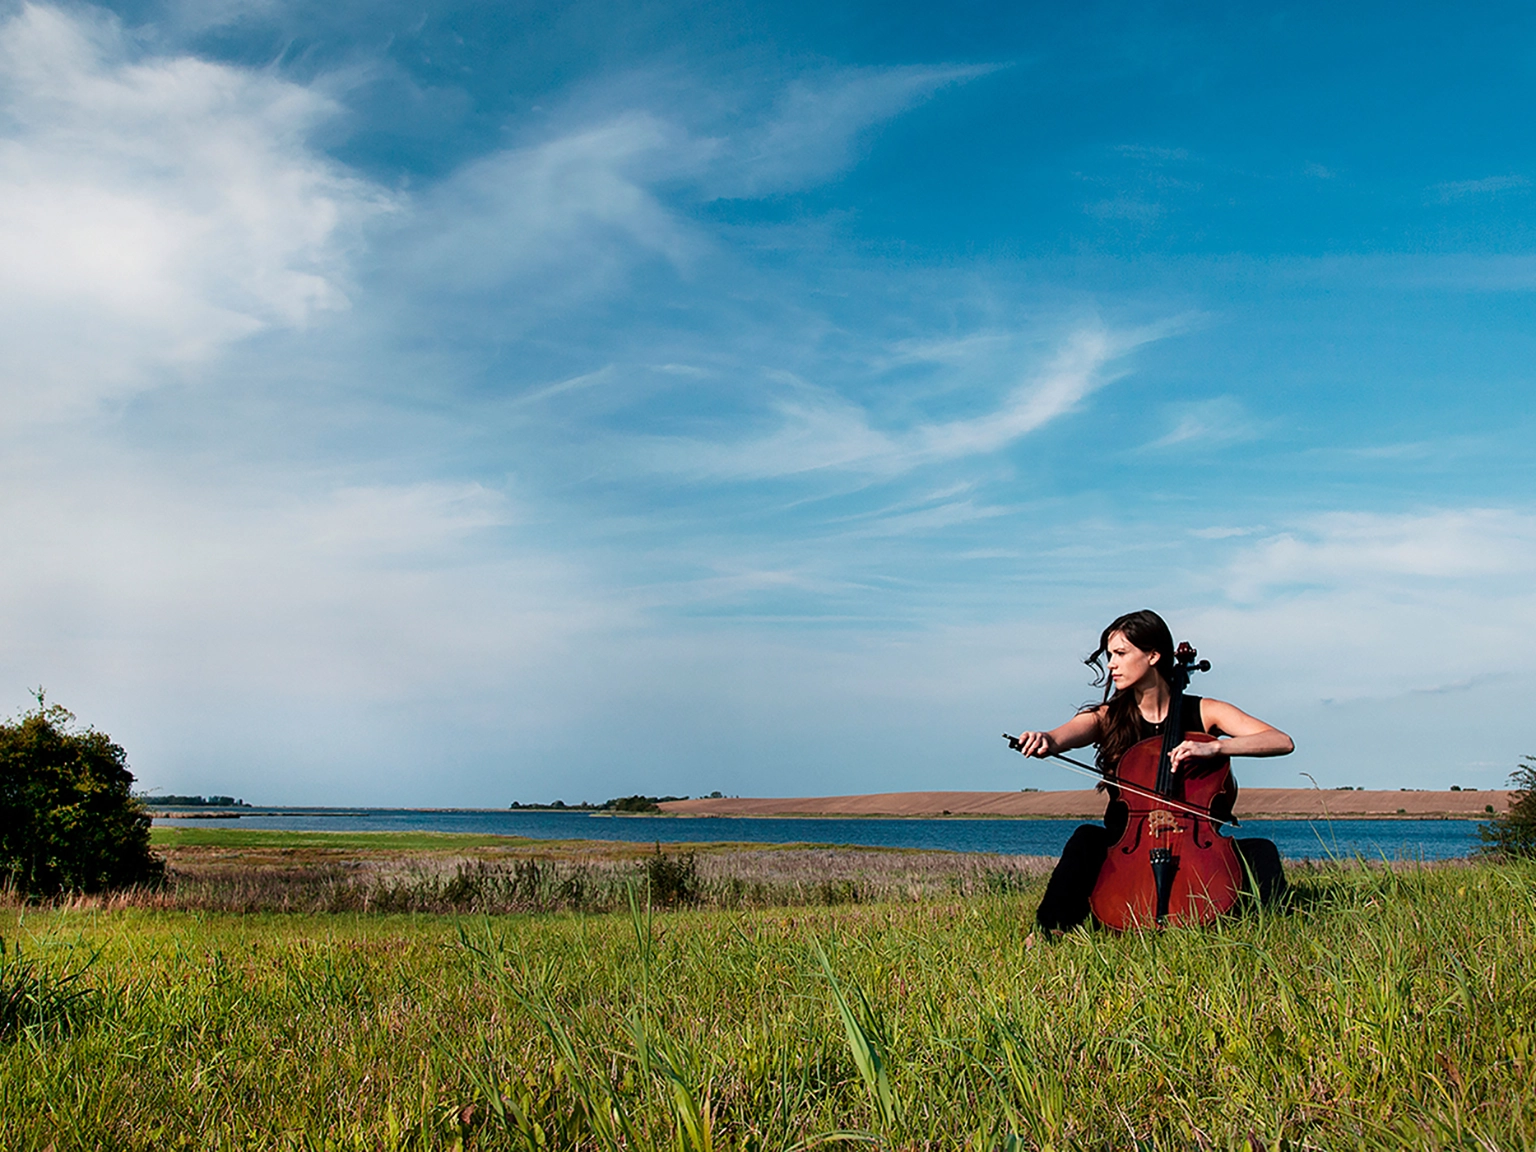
<point>1173,736</point>
<point>1184,662</point>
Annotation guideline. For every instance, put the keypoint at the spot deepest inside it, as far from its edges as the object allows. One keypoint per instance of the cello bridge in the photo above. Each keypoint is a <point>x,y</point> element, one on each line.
<point>1161,822</point>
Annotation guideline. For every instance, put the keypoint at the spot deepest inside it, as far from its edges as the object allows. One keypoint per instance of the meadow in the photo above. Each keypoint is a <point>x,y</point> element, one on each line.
<point>1380,1007</point>
<point>240,870</point>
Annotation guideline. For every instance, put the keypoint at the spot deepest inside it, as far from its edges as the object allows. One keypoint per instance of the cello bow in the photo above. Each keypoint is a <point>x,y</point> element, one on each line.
<point>1088,770</point>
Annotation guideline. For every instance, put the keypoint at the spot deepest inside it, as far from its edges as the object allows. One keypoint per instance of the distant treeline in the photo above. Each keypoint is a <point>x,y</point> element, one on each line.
<point>635,803</point>
<point>194,801</point>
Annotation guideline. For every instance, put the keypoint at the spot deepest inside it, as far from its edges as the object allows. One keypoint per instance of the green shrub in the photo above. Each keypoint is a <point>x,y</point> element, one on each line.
<point>673,880</point>
<point>633,804</point>
<point>1513,833</point>
<point>68,822</point>
<point>636,803</point>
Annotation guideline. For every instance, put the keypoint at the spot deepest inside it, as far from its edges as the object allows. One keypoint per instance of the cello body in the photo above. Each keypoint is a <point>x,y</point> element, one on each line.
<point>1169,866</point>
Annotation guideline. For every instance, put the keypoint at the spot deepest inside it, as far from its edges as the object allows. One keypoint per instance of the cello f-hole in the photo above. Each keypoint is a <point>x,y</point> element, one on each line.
<point>1128,850</point>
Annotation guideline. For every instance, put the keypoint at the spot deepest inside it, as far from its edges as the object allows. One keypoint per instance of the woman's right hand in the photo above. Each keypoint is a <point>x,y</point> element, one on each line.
<point>1037,744</point>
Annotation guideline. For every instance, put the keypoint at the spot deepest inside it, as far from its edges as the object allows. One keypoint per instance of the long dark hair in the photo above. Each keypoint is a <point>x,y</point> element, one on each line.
<point>1120,725</point>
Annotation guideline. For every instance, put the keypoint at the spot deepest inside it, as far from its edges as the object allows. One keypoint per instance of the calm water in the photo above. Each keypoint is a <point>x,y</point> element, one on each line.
<point>1392,839</point>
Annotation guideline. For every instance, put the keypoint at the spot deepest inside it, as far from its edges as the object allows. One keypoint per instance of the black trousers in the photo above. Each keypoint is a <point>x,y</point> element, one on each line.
<point>1066,896</point>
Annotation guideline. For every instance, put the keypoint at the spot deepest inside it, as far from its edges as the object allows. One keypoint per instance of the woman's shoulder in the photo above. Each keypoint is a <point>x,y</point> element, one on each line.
<point>1213,711</point>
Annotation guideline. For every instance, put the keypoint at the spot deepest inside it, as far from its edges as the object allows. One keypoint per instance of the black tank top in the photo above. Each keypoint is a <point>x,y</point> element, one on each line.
<point>1190,723</point>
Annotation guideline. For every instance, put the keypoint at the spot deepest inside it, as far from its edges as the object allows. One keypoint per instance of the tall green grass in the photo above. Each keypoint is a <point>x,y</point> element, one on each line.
<point>39,1002</point>
<point>1385,1008</point>
<point>237,872</point>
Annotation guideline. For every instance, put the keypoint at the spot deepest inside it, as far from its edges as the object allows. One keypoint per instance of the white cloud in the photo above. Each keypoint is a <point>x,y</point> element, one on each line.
<point>1205,424</point>
<point>1349,606</point>
<point>1390,645</point>
<point>1478,547</point>
<point>813,130</point>
<point>1151,152</point>
<point>581,383</point>
<point>573,213</point>
<point>1081,366</point>
<point>1453,190</point>
<point>930,519</point>
<point>819,430</point>
<point>1220,532</point>
<point>962,352</point>
<point>1124,208</point>
<point>294,633</point>
<point>153,209</point>
<point>572,210</point>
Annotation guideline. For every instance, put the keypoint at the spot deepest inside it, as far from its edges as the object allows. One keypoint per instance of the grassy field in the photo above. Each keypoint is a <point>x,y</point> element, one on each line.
<point>239,870</point>
<point>1382,1008</point>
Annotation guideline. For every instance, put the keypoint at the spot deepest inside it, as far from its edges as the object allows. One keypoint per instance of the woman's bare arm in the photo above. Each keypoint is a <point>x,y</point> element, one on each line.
<point>1245,735</point>
<point>1081,730</point>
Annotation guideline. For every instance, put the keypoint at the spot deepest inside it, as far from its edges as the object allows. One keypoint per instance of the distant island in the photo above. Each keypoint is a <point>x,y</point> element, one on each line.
<point>635,803</point>
<point>192,801</point>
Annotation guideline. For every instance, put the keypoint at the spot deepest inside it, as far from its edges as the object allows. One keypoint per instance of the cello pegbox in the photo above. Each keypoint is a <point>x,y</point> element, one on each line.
<point>1184,655</point>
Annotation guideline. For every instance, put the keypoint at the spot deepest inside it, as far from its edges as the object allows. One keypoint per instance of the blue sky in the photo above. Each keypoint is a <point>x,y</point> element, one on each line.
<point>457,404</point>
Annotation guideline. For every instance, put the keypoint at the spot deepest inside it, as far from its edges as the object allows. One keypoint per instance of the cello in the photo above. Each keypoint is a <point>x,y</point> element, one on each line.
<point>1169,864</point>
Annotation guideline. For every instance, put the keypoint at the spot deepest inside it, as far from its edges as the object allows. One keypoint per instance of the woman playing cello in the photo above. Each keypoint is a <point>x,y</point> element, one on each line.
<point>1140,656</point>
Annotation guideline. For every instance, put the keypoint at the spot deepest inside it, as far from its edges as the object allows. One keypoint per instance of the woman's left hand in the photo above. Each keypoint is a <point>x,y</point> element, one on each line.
<point>1191,752</point>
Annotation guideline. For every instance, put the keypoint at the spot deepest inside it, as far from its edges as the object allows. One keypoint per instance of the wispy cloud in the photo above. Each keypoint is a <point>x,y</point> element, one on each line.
<point>815,126</point>
<point>1387,644</point>
<point>1151,153</point>
<point>548,223</point>
<point>570,213</point>
<point>935,519</point>
<point>1484,546</point>
<point>1205,424</point>
<point>579,383</point>
<point>1083,364</point>
<point>818,430</point>
<point>1221,532</point>
<point>1453,190</point>
<point>1124,208</point>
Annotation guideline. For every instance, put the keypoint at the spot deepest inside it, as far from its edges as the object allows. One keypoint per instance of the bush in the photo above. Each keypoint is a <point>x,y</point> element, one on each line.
<point>637,803</point>
<point>633,804</point>
<point>1513,833</point>
<point>68,822</point>
<point>673,880</point>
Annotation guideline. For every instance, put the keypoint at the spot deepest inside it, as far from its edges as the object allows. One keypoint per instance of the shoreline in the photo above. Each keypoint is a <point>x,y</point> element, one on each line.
<point>975,816</point>
<point>1252,804</point>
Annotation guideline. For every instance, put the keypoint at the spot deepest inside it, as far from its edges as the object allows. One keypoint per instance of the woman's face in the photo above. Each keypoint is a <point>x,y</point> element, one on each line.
<point>1128,664</point>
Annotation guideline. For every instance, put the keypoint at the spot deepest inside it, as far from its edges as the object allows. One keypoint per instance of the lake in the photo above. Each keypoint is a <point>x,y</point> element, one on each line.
<point>1297,839</point>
